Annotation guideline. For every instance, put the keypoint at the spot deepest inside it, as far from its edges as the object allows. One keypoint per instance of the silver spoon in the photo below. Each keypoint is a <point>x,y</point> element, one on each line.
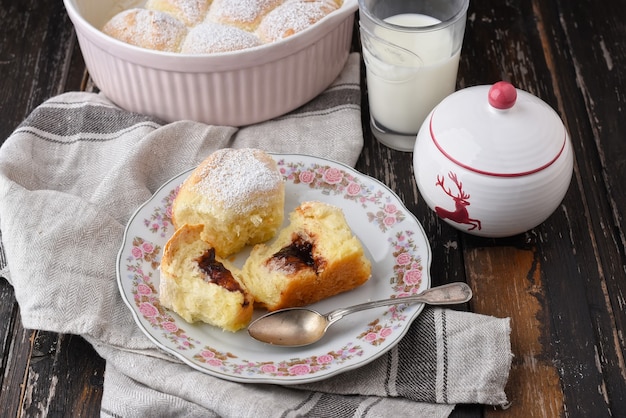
<point>294,327</point>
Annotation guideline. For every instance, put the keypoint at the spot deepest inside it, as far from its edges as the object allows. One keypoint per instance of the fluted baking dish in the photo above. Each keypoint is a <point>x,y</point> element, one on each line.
<point>235,88</point>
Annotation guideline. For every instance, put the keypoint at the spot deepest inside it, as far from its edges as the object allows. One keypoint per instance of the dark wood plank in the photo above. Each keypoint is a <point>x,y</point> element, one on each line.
<point>596,98</point>
<point>37,44</point>
<point>42,374</point>
<point>64,377</point>
<point>14,354</point>
<point>514,275</point>
<point>591,270</point>
<point>576,261</point>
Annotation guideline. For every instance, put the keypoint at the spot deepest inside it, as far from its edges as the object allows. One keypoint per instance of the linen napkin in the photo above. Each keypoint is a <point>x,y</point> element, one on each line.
<point>75,170</point>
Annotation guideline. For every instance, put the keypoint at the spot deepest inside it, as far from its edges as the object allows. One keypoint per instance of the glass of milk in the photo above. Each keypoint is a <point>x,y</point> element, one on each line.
<point>411,51</point>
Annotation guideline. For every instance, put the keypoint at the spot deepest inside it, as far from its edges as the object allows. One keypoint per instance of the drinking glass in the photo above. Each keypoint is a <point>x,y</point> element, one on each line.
<point>411,50</point>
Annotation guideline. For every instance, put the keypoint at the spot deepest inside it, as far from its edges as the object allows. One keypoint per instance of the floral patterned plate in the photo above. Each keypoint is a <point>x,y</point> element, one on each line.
<point>393,240</point>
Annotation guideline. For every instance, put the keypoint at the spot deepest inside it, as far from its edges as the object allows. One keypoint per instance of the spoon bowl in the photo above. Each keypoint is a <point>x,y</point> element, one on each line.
<point>295,327</point>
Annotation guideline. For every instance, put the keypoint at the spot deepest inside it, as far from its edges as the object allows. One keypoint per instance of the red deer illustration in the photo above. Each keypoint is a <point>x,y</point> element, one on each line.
<point>461,201</point>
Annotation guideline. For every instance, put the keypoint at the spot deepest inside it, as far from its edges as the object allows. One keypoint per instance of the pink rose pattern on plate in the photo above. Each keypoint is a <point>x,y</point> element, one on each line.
<point>406,282</point>
<point>387,216</point>
<point>408,268</point>
<point>332,180</point>
<point>160,220</point>
<point>143,261</point>
<point>293,367</point>
<point>407,279</point>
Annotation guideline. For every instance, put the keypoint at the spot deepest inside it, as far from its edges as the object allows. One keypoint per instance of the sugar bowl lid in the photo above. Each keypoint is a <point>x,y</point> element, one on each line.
<point>498,130</point>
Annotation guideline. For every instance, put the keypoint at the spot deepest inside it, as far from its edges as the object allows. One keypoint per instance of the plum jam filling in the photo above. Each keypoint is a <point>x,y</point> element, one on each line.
<point>297,255</point>
<point>215,272</point>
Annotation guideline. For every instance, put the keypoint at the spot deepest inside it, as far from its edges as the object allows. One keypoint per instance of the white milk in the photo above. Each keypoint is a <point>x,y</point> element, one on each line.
<point>401,90</point>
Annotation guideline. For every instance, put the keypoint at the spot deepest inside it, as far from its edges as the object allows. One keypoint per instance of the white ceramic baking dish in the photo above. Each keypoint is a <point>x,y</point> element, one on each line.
<point>235,88</point>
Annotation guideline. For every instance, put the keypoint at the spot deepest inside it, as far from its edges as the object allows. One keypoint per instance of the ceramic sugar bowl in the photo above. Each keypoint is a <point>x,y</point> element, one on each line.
<point>493,161</point>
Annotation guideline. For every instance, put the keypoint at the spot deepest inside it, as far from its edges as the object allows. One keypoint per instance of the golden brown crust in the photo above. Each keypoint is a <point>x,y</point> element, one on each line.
<point>244,14</point>
<point>174,25</point>
<point>315,257</point>
<point>237,194</point>
<point>192,292</point>
<point>147,29</point>
<point>292,17</point>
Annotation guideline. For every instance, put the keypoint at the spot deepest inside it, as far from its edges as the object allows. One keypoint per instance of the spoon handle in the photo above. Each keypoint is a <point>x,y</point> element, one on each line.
<point>448,294</point>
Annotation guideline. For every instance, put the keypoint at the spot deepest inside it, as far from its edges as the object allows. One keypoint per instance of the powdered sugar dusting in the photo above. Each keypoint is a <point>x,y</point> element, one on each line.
<point>242,12</point>
<point>212,37</point>
<point>292,17</point>
<point>190,12</point>
<point>233,176</point>
<point>147,29</point>
<point>163,25</point>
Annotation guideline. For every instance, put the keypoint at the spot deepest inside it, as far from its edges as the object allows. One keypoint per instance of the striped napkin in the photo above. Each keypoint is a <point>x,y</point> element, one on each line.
<point>76,169</point>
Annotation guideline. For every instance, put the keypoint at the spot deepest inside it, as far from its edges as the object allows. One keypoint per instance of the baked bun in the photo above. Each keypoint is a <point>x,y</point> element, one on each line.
<point>237,194</point>
<point>244,14</point>
<point>292,17</point>
<point>200,286</point>
<point>207,38</point>
<point>147,29</point>
<point>190,12</point>
<point>163,24</point>
<point>314,257</point>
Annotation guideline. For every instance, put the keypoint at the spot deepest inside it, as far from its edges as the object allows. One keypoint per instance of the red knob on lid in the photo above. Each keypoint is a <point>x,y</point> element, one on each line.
<point>502,95</point>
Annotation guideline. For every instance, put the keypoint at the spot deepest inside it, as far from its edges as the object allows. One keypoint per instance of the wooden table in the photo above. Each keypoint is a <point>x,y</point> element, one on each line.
<point>562,283</point>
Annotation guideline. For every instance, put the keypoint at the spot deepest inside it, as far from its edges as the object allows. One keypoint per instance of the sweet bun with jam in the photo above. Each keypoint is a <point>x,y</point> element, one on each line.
<point>316,256</point>
<point>200,286</point>
<point>237,194</point>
